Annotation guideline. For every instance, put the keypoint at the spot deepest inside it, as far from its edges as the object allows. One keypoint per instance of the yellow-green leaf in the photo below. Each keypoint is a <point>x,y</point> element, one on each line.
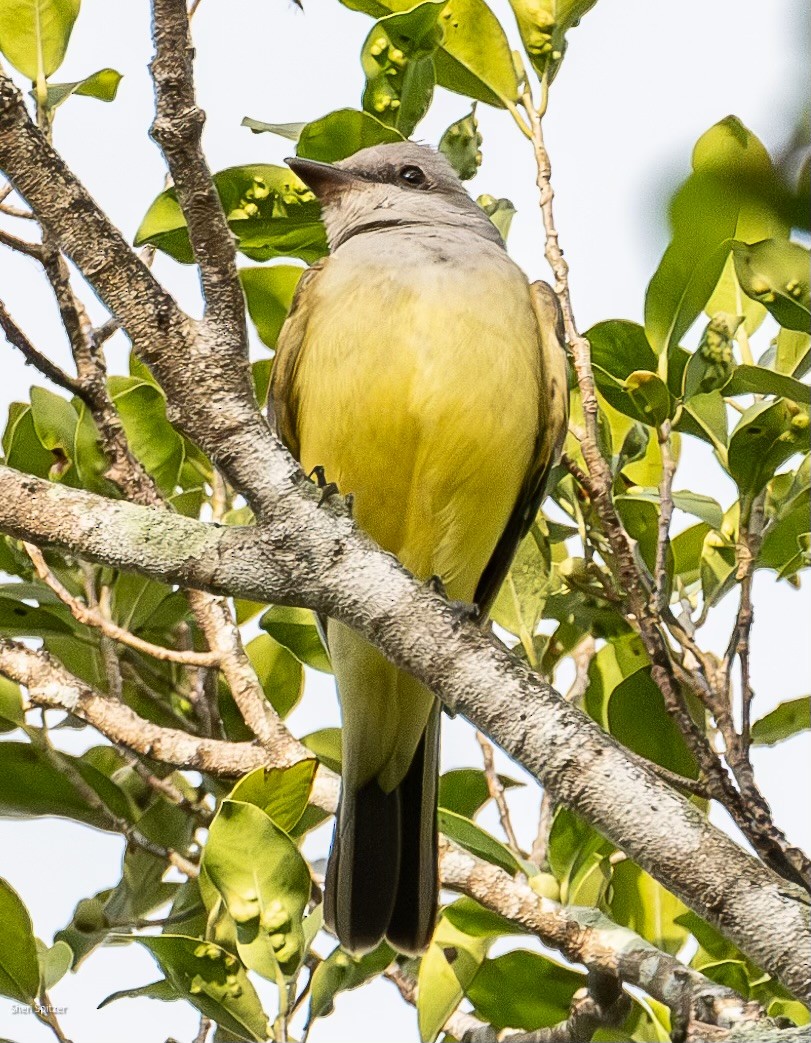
<point>34,34</point>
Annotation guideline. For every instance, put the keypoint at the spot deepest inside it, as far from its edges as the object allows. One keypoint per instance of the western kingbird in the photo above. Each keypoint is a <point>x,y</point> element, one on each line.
<point>424,374</point>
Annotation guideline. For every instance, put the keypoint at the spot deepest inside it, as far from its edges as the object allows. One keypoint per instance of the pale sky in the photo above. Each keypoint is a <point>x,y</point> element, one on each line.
<point>642,80</point>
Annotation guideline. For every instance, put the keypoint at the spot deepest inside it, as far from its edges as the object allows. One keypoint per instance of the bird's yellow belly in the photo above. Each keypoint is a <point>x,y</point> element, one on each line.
<point>420,397</point>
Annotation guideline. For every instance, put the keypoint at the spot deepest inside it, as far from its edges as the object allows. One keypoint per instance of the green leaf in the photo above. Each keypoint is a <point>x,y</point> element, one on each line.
<point>89,458</point>
<point>332,137</point>
<point>295,628</point>
<point>55,422</point>
<point>282,793</point>
<point>340,972</point>
<point>543,25</point>
<point>269,210</point>
<point>640,517</point>
<point>212,980</point>
<point>326,745</point>
<point>19,968</point>
<point>467,916</point>
<point>523,990</point>
<point>464,790</point>
<point>520,602</point>
<point>18,619</point>
<point>754,380</point>
<point>785,543</point>
<point>32,786</point>
<point>787,719</point>
<point>728,297</point>
<point>155,990</point>
<point>343,133</point>
<point>578,856</point>
<point>766,436</point>
<point>397,59</point>
<point>21,446</point>
<point>619,348</point>
<point>624,366</point>
<point>269,294</point>
<point>703,507</point>
<point>792,353</point>
<point>291,131</point>
<point>705,416</point>
<point>476,840</point>
<point>717,567</point>
<point>461,145</point>
<point>637,716</point>
<point>730,166</point>
<point>616,660</point>
<point>34,34</point>
<point>12,714</point>
<point>102,85</point>
<point>446,971</point>
<point>54,962</point>
<point>475,57</point>
<point>279,673</point>
<point>641,903</point>
<point>775,272</point>
<point>265,884</point>
<point>500,211</point>
<point>650,395</point>
<point>142,407</point>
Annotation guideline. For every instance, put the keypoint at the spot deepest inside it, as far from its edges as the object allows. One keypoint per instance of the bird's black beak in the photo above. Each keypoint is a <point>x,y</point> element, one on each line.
<point>323,178</point>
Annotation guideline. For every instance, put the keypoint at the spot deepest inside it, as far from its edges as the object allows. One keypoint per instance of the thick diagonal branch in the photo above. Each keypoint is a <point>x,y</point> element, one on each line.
<point>315,557</point>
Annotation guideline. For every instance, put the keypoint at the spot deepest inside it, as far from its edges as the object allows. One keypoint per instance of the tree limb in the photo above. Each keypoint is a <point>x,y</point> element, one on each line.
<point>177,129</point>
<point>468,669</point>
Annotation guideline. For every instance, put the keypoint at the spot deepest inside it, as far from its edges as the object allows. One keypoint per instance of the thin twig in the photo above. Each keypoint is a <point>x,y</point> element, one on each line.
<point>20,245</point>
<point>496,791</point>
<point>45,1011</point>
<point>205,1023</point>
<point>15,336</point>
<point>92,617</point>
<point>168,790</point>
<point>458,1024</point>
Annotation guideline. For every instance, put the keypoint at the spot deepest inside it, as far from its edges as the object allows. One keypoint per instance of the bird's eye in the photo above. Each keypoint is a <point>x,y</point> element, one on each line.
<point>412,176</point>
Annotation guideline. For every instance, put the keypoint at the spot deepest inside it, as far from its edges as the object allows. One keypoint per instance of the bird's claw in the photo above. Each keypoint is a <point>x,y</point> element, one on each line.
<point>462,611</point>
<point>436,586</point>
<point>465,611</point>
<point>328,489</point>
<point>327,492</point>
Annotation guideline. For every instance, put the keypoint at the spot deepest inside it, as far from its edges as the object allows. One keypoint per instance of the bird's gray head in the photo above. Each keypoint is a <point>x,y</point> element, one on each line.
<point>397,185</point>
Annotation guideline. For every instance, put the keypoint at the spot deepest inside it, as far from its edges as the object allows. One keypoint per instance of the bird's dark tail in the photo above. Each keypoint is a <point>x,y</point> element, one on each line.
<point>382,876</point>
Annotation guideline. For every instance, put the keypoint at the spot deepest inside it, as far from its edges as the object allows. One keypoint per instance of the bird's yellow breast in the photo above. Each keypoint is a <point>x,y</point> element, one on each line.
<point>418,390</point>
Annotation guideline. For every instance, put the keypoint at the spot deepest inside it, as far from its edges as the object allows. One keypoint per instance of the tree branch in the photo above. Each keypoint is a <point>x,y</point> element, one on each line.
<point>284,562</point>
<point>586,936</point>
<point>749,812</point>
<point>177,129</point>
<point>581,935</point>
<point>15,336</point>
<point>92,617</point>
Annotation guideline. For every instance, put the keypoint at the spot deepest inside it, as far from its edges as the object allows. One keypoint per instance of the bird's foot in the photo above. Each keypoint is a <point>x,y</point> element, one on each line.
<point>465,611</point>
<point>462,611</point>
<point>436,586</point>
<point>327,489</point>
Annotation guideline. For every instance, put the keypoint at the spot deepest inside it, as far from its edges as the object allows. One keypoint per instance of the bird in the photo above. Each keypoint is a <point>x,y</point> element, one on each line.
<point>419,372</point>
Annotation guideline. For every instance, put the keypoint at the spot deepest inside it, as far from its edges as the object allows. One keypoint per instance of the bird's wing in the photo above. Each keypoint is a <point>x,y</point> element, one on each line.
<point>553,415</point>
<point>283,400</point>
